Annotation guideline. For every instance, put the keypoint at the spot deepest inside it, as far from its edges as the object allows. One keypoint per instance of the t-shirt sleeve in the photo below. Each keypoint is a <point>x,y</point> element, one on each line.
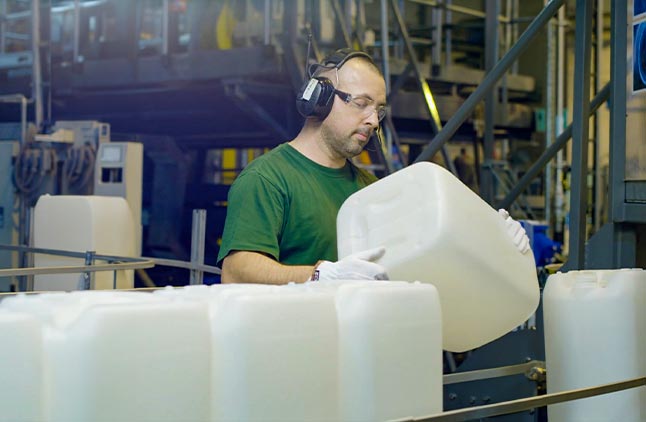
<point>255,214</point>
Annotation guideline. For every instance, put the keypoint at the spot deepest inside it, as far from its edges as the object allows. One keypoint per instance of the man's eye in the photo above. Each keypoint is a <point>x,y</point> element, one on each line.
<point>361,102</point>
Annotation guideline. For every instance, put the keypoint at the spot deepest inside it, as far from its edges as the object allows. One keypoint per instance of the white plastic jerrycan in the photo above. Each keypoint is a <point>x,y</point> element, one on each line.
<point>103,224</point>
<point>275,355</point>
<point>21,368</point>
<point>436,230</point>
<point>595,326</point>
<point>121,356</point>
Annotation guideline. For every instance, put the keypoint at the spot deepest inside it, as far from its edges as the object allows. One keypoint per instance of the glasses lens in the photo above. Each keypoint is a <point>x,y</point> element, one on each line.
<point>381,113</point>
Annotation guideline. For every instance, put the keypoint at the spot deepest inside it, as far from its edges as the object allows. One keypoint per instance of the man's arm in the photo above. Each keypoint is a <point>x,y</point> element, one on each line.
<point>254,267</point>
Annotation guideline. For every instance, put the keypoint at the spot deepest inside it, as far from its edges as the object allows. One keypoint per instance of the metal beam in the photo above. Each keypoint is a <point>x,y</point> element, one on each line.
<point>490,80</point>
<point>580,132</point>
<point>550,152</point>
<point>617,160</point>
<point>520,405</point>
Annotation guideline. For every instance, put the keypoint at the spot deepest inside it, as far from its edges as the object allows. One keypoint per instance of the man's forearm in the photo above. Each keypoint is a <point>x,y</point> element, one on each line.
<point>254,267</point>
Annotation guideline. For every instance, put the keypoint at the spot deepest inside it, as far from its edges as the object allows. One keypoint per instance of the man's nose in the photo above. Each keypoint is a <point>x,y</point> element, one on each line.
<point>373,118</point>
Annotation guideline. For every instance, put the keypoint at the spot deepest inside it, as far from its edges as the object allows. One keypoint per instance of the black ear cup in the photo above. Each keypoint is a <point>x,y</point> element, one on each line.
<point>315,98</point>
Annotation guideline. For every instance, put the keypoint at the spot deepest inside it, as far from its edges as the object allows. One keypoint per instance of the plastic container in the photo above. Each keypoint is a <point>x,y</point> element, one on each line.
<point>275,356</point>
<point>595,323</point>
<point>436,230</point>
<point>21,375</point>
<point>390,348</point>
<point>102,224</point>
<point>114,356</point>
<point>390,351</point>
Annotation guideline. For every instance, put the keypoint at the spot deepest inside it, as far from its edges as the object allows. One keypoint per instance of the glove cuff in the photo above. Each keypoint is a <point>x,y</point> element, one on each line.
<point>316,273</point>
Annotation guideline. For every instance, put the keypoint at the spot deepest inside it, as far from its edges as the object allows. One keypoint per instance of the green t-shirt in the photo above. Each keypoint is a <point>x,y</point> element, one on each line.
<point>284,205</point>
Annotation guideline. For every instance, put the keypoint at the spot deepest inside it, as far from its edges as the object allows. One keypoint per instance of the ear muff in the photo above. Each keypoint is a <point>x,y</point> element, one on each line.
<point>316,96</point>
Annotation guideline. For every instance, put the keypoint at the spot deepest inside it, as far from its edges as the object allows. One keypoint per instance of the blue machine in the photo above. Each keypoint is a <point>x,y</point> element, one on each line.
<point>544,248</point>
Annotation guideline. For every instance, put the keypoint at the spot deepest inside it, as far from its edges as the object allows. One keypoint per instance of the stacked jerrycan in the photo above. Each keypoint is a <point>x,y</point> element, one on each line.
<point>595,333</point>
<point>103,357</point>
<point>389,348</point>
<point>274,352</point>
<point>21,368</point>
<point>322,351</point>
<point>350,351</point>
<point>436,230</point>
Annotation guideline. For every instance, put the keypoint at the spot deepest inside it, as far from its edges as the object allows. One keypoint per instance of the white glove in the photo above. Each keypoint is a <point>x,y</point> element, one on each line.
<point>358,266</point>
<point>515,231</point>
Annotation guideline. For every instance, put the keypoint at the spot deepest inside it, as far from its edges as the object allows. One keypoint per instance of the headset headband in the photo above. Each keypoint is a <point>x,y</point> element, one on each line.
<point>338,58</point>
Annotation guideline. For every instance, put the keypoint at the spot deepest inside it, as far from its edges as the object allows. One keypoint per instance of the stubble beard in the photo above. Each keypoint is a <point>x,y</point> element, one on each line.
<point>341,145</point>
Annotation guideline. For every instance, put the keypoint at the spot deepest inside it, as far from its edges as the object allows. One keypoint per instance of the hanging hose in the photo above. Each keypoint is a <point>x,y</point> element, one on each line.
<point>79,166</point>
<point>33,163</point>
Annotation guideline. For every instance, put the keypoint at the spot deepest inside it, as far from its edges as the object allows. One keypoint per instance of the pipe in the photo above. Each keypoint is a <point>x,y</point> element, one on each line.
<point>559,195</point>
<point>37,89</point>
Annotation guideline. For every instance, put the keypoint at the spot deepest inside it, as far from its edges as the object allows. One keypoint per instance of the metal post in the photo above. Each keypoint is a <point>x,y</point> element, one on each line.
<point>385,40</point>
<point>28,258</point>
<point>580,130</point>
<point>267,23</point>
<point>491,99</point>
<point>549,120</point>
<point>436,49</point>
<point>77,30</point>
<point>598,191</point>
<point>514,31</point>
<point>37,88</point>
<point>559,196</point>
<point>618,53</point>
<point>624,240</point>
<point>3,25</point>
<point>490,79</point>
<point>165,27</point>
<point>385,62</point>
<point>448,46</point>
<point>198,236</point>
<point>86,282</point>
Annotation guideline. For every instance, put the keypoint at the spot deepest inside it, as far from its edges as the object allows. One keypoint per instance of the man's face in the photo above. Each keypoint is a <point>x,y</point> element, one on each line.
<point>349,126</point>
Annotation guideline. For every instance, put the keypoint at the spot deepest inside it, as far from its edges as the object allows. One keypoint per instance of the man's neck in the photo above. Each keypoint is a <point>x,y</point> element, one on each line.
<point>310,144</point>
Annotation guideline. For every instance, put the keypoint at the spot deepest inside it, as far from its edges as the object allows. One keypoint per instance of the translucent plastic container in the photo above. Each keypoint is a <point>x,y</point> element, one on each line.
<point>114,356</point>
<point>21,368</point>
<point>275,356</point>
<point>102,224</point>
<point>595,326</point>
<point>390,351</point>
<point>436,230</point>
<point>390,348</point>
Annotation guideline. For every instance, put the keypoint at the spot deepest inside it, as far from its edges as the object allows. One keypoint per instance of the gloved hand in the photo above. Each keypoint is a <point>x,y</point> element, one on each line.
<point>515,231</point>
<point>358,266</point>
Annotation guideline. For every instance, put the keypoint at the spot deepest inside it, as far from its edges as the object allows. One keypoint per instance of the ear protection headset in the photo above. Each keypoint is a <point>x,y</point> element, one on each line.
<point>316,96</point>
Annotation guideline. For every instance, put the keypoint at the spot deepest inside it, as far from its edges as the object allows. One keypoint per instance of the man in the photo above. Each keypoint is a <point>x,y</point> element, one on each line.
<point>281,218</point>
<point>465,169</point>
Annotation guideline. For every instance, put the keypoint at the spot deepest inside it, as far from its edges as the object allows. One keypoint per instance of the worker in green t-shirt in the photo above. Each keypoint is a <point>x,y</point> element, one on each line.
<point>281,216</point>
